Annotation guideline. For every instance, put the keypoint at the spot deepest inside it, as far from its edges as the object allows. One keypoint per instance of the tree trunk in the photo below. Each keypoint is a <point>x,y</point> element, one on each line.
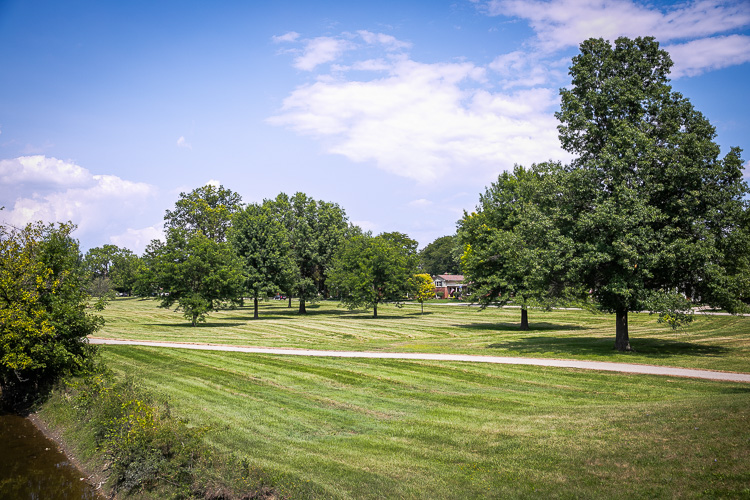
<point>622,342</point>
<point>375,310</point>
<point>255,307</point>
<point>524,318</point>
<point>302,309</point>
<point>422,308</point>
<point>290,302</point>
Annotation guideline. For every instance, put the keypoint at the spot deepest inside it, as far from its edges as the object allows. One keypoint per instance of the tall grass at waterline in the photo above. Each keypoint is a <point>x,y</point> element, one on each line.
<point>357,428</point>
<point>710,342</point>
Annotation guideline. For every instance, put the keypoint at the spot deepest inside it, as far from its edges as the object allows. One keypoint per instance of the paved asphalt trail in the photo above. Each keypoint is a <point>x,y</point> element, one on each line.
<point>560,363</point>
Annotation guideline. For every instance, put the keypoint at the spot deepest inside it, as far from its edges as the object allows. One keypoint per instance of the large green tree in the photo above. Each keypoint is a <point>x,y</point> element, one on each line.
<point>370,270</point>
<point>197,273</point>
<point>44,314</point>
<point>655,213</point>
<point>315,229</point>
<point>261,241</point>
<point>442,256</point>
<point>514,253</point>
<point>110,267</point>
<point>207,209</point>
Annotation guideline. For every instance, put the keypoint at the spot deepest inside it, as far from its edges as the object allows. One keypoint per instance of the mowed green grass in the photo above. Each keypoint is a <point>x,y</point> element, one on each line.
<point>710,342</point>
<point>358,428</point>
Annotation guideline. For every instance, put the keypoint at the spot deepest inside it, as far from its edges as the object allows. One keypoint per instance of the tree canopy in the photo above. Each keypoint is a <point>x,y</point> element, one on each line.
<point>44,319</point>
<point>370,270</point>
<point>655,213</point>
<point>315,230</point>
<point>261,241</point>
<point>513,250</point>
<point>441,256</point>
<point>207,209</point>
<point>110,267</point>
<point>197,273</point>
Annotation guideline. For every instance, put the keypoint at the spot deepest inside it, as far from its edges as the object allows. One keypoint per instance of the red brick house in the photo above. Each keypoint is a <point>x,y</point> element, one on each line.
<point>449,285</point>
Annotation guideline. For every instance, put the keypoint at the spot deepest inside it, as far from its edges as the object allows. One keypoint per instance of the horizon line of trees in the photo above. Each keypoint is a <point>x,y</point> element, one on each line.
<point>646,217</point>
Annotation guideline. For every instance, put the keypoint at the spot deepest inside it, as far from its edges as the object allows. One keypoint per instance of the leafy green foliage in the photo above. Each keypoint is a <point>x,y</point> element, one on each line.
<point>261,241</point>
<point>442,256</point>
<point>315,230</point>
<point>655,214</point>
<point>197,273</point>
<point>424,288</point>
<point>43,309</point>
<point>370,270</point>
<point>111,268</point>
<point>514,253</point>
<point>207,209</point>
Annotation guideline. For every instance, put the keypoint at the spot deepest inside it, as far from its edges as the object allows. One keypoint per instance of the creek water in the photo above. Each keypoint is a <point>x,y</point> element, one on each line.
<point>33,468</point>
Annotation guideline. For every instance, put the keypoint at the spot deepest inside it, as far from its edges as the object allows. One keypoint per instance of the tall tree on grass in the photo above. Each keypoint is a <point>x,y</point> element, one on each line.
<point>110,267</point>
<point>197,273</point>
<point>261,241</point>
<point>207,209</point>
<point>44,309</point>
<point>655,214</point>
<point>514,253</point>
<point>371,270</point>
<point>316,229</point>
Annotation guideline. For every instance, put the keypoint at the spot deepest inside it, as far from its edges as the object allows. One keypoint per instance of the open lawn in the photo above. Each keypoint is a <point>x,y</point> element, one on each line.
<point>363,428</point>
<point>710,342</point>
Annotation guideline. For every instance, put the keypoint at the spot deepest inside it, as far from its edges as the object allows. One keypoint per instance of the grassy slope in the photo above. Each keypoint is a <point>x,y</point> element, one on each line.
<point>342,428</point>
<point>711,342</point>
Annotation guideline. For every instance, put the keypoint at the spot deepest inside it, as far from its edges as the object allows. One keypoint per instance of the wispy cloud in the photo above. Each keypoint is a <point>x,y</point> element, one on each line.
<point>182,143</point>
<point>467,121</point>
<point>706,54</point>
<point>427,121</point>
<point>566,23</point>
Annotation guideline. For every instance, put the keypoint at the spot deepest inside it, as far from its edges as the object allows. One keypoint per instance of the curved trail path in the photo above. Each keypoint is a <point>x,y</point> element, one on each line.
<point>560,363</point>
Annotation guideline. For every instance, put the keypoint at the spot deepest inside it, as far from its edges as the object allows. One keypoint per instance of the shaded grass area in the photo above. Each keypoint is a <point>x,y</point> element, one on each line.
<point>710,342</point>
<point>356,428</point>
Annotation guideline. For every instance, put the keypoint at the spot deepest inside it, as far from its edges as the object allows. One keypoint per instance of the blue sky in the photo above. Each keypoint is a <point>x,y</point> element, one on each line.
<point>401,112</point>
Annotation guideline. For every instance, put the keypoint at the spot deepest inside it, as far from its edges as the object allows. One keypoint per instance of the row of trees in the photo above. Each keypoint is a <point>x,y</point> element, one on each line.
<point>219,251</point>
<point>646,217</point>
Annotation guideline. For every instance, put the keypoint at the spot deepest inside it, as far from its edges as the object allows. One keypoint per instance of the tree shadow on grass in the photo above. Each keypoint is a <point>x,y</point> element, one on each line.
<point>199,325</point>
<point>652,348</point>
<point>516,327</point>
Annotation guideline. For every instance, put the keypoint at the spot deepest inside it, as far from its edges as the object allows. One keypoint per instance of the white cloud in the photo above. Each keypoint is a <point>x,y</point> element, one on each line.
<point>326,49</point>
<point>213,182</point>
<point>426,121</point>
<point>366,225</point>
<point>286,37</point>
<point>53,190</point>
<point>42,173</point>
<point>182,143</point>
<point>320,50</point>
<point>136,240</point>
<point>387,41</point>
<point>565,23</point>
<point>420,203</point>
<point>699,56</point>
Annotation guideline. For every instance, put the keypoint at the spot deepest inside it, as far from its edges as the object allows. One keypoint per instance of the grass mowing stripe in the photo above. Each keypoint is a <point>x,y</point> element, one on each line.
<point>457,430</point>
<point>711,342</point>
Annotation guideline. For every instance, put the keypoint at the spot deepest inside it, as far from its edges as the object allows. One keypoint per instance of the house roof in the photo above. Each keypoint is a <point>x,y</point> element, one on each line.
<point>451,277</point>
